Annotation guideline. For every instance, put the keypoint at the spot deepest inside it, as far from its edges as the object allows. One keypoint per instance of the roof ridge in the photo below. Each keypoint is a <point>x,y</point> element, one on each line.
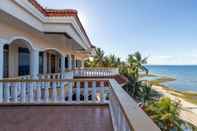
<point>53,12</point>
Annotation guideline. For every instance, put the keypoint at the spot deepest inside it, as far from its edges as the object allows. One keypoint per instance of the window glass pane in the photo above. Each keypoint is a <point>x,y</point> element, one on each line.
<point>24,61</point>
<point>66,62</point>
<point>41,62</point>
<point>6,59</point>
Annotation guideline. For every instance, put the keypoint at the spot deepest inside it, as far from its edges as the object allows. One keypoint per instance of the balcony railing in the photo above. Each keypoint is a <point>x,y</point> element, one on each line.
<point>96,72</point>
<point>126,115</point>
<point>53,90</point>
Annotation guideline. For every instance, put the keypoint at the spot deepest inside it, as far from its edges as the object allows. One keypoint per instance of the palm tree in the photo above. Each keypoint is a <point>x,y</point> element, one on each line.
<point>99,57</point>
<point>146,93</point>
<point>112,61</point>
<point>98,60</point>
<point>165,113</point>
<point>136,64</point>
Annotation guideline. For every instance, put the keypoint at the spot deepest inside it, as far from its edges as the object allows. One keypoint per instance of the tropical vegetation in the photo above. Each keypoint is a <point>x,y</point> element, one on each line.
<point>163,111</point>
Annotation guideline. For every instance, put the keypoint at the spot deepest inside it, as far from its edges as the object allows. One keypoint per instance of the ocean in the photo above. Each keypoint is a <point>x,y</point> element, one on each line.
<point>186,76</point>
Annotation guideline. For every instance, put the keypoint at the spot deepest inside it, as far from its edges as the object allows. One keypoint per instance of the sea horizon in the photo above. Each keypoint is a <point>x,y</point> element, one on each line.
<point>186,76</point>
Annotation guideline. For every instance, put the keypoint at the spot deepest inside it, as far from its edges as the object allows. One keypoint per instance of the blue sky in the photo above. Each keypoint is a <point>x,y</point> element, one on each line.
<point>164,30</point>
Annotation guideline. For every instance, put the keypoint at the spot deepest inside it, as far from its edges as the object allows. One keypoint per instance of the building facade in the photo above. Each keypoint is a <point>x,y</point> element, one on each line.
<point>34,40</point>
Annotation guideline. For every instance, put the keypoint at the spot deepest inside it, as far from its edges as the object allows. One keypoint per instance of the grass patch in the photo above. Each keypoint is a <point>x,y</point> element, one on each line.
<point>148,75</point>
<point>188,96</point>
<point>161,80</point>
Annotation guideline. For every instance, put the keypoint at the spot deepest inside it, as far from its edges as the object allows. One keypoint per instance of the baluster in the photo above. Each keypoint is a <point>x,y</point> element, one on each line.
<point>81,72</point>
<point>78,90</point>
<point>94,91</point>
<point>15,91</point>
<point>46,92</point>
<point>38,86</point>
<point>7,92</point>
<point>70,91</point>
<point>49,76</point>
<point>98,72</point>
<point>31,91</point>
<point>23,95</point>
<point>102,92</point>
<point>54,93</point>
<point>62,97</point>
<point>85,72</point>
<point>89,72</point>
<point>86,91</point>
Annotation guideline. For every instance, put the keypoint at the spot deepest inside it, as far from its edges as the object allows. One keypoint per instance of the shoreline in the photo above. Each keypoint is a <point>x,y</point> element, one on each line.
<point>188,110</point>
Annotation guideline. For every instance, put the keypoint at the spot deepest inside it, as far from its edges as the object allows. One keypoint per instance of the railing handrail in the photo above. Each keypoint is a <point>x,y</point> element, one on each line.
<point>34,80</point>
<point>45,74</point>
<point>133,113</point>
<point>97,68</point>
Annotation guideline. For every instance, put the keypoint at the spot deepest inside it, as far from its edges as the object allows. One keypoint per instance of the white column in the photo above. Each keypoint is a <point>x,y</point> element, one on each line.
<point>34,63</point>
<point>49,59</point>
<point>62,64</point>
<point>45,62</point>
<point>82,64</point>
<point>1,70</point>
<point>74,62</point>
<point>69,62</point>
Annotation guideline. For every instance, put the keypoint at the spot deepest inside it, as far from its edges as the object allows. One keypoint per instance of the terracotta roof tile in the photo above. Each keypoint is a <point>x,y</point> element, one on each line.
<point>121,79</point>
<point>53,12</point>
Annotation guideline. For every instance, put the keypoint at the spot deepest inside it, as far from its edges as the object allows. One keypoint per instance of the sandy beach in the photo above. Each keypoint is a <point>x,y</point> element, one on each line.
<point>189,110</point>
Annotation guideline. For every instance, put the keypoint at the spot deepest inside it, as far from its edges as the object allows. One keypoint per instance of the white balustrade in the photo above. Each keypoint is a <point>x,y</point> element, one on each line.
<point>126,115</point>
<point>53,90</point>
<point>96,72</point>
<point>123,108</point>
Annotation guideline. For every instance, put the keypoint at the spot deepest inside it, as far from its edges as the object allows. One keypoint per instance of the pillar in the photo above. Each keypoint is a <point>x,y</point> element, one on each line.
<point>34,63</point>
<point>62,64</point>
<point>1,70</point>
<point>45,63</point>
<point>69,62</point>
<point>82,64</point>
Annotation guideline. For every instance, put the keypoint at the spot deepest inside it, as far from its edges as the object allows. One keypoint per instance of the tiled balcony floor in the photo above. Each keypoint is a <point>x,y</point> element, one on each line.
<point>55,118</point>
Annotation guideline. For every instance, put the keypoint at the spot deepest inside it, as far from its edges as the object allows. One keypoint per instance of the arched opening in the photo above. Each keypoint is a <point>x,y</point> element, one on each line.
<point>17,58</point>
<point>50,61</point>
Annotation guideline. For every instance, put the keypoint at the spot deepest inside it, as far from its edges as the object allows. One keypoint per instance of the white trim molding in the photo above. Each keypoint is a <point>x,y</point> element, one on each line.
<point>20,38</point>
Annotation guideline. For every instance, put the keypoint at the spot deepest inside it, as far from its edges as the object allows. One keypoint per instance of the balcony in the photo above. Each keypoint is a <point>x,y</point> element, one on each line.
<point>79,104</point>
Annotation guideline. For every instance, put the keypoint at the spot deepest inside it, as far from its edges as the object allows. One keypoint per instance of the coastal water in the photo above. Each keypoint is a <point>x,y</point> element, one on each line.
<point>186,76</point>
